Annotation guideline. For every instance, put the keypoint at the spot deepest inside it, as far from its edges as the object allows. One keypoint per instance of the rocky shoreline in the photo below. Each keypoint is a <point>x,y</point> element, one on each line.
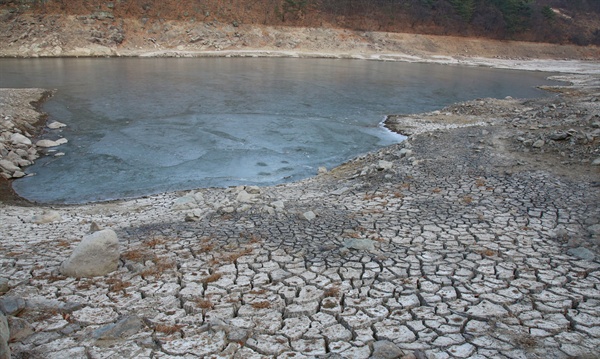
<point>484,248</point>
<point>20,123</point>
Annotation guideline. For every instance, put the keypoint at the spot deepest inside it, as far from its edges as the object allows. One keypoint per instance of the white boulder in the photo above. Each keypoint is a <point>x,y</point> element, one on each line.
<point>8,166</point>
<point>17,139</point>
<point>46,217</point>
<point>56,125</point>
<point>96,255</point>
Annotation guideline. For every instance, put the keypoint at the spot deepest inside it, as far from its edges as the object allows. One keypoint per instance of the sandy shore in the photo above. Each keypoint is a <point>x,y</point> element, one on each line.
<point>488,247</point>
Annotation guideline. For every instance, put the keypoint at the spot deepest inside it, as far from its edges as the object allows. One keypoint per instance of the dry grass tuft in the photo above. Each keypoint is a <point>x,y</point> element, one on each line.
<point>333,291</point>
<point>160,266</point>
<point>487,252</point>
<point>136,255</point>
<point>258,291</point>
<point>353,235</point>
<point>63,243</point>
<point>261,305</point>
<point>232,257</point>
<point>117,285</point>
<point>211,278</point>
<point>254,239</point>
<point>206,247</point>
<point>204,303</point>
<point>84,284</point>
<point>329,303</point>
<point>154,241</point>
<point>467,199</point>
<point>168,328</point>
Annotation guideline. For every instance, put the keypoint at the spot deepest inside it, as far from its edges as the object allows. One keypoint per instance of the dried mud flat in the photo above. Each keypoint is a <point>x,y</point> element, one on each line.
<point>477,237</point>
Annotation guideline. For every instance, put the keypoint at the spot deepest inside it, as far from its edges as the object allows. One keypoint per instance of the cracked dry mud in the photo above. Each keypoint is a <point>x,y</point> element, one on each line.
<point>450,245</point>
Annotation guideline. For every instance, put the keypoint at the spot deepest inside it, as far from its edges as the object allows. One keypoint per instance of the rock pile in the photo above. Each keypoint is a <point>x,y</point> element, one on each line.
<point>235,200</point>
<point>17,150</point>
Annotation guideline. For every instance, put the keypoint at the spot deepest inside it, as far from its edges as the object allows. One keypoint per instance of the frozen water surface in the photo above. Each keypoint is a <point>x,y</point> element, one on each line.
<point>143,126</point>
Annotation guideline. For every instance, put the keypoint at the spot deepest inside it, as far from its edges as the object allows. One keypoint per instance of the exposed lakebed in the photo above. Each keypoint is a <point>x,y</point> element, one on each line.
<point>142,126</point>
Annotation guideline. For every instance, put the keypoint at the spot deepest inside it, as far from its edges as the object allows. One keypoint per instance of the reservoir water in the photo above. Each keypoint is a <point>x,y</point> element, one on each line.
<point>144,126</point>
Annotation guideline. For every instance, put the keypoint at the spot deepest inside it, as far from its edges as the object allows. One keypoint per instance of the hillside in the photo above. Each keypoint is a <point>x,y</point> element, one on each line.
<point>45,31</point>
<point>554,21</point>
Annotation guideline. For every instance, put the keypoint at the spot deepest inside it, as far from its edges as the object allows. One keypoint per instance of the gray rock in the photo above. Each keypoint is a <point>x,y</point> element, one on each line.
<point>279,205</point>
<point>596,162</point>
<point>4,350</point>
<point>4,331</point>
<point>122,329</point>
<point>582,253</point>
<point>559,136</point>
<point>17,138</point>
<point>538,144</point>
<point>194,215</point>
<point>96,255</point>
<point>253,189</point>
<point>487,309</point>
<point>245,197</point>
<point>383,165</point>
<point>595,229</point>
<point>10,305</point>
<point>309,216</point>
<point>405,152</point>
<point>4,337</point>
<point>45,305</point>
<point>360,244</point>
<point>383,349</point>
<point>56,125</point>
<point>46,143</point>
<point>95,227</point>
<point>185,202</point>
<point>4,285</point>
<point>8,166</point>
<point>20,329</point>
<point>46,217</point>
<point>237,335</point>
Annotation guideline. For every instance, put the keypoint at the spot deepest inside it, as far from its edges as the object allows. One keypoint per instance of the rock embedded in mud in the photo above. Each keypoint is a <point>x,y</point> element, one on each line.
<point>4,287</point>
<point>4,336</point>
<point>20,329</point>
<point>384,349</point>
<point>96,255</point>
<point>538,144</point>
<point>46,217</point>
<point>582,253</point>
<point>309,216</point>
<point>11,305</point>
<point>384,165</point>
<point>123,328</point>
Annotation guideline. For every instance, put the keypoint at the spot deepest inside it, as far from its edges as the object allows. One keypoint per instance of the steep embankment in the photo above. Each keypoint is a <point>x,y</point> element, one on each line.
<point>101,35</point>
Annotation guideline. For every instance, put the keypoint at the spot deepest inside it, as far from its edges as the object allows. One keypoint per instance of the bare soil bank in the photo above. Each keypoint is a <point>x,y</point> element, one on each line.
<point>97,35</point>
